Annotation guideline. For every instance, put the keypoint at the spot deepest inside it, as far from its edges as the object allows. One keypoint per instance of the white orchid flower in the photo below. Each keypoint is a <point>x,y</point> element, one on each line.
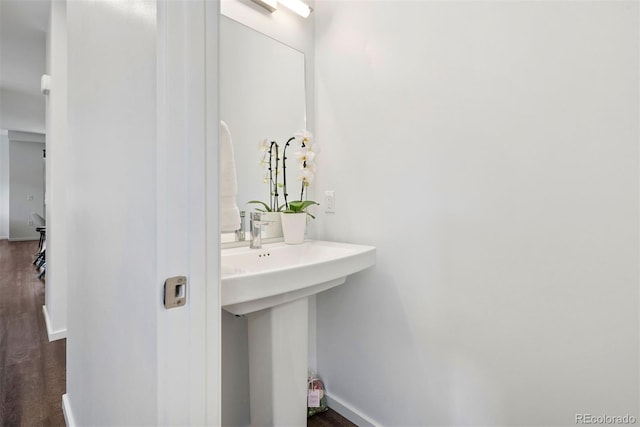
<point>305,155</point>
<point>311,167</point>
<point>264,161</point>
<point>312,147</point>
<point>306,176</point>
<point>264,145</point>
<point>304,136</point>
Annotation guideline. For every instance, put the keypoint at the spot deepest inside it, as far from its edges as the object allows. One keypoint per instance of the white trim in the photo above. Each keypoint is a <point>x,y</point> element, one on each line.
<point>23,239</point>
<point>66,410</point>
<point>212,226</point>
<point>350,413</point>
<point>4,237</point>
<point>17,135</point>
<point>53,335</point>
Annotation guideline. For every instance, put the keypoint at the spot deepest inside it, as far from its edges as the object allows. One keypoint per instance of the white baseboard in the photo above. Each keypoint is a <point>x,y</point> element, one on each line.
<point>66,410</point>
<point>53,335</point>
<point>349,412</point>
<point>23,239</point>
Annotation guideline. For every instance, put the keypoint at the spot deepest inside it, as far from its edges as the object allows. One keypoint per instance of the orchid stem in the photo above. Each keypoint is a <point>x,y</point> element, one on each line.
<point>273,194</point>
<point>284,171</point>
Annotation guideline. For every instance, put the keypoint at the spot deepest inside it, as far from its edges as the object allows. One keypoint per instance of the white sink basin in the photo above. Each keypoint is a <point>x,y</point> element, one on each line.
<point>271,286</point>
<point>255,279</point>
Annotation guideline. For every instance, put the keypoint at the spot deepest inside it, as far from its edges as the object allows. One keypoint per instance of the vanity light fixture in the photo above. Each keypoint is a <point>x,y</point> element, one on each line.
<point>297,6</point>
<point>270,5</point>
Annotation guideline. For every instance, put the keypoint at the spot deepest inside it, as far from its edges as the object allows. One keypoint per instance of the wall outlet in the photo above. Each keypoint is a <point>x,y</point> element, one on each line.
<point>29,222</point>
<point>30,197</point>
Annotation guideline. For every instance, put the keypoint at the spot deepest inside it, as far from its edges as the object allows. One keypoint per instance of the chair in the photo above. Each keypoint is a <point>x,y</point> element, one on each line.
<point>40,256</point>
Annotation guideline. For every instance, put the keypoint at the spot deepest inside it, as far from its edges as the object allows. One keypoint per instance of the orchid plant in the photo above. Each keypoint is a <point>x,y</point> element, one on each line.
<point>274,160</point>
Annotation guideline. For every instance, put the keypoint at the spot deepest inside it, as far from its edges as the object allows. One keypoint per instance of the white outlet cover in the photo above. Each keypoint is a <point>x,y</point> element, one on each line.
<point>330,201</point>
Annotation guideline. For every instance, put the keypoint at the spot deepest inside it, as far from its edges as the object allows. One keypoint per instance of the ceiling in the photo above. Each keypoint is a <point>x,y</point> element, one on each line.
<point>23,28</point>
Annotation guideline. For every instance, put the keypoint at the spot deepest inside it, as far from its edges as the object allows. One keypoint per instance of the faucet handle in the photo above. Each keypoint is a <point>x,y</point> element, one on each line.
<point>256,224</point>
<point>240,236</point>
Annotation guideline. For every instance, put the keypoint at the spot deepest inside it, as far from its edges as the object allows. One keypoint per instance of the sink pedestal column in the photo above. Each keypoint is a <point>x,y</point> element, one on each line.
<point>278,364</point>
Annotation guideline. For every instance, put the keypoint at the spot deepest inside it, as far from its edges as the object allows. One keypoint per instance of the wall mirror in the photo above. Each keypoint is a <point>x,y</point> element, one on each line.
<point>262,95</point>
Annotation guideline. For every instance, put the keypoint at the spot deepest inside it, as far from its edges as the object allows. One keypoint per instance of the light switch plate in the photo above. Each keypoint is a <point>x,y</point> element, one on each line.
<point>175,292</point>
<point>330,201</point>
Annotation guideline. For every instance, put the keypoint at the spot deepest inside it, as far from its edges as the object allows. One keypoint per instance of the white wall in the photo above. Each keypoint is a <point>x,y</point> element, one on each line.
<point>26,184</point>
<point>112,351</point>
<point>4,185</point>
<point>22,53</point>
<point>55,308</point>
<point>22,111</point>
<point>490,151</point>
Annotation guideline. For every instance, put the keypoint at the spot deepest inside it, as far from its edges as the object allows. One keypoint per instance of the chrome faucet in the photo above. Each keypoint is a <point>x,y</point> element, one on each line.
<point>240,236</point>
<point>256,224</point>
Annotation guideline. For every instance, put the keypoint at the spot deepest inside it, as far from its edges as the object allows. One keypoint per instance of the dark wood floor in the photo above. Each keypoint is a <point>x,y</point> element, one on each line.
<point>32,370</point>
<point>329,419</point>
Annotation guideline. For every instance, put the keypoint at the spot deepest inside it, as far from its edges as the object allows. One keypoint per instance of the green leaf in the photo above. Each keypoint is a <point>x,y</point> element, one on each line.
<point>301,205</point>
<point>266,207</point>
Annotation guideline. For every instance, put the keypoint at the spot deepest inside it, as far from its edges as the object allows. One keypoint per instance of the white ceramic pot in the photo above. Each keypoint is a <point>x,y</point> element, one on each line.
<point>294,226</point>
<point>273,225</point>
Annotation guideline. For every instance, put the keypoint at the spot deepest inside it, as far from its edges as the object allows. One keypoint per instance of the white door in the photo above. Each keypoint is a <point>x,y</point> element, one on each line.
<point>188,237</point>
<point>142,208</point>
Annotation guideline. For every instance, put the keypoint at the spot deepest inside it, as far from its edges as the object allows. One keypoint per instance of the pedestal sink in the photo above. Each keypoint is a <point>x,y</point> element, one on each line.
<point>271,286</point>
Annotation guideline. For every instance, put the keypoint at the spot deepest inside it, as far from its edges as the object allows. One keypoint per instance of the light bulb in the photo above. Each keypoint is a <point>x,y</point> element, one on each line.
<point>297,6</point>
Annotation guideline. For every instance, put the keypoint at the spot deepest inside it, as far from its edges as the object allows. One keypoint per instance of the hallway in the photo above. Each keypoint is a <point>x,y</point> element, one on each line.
<point>32,369</point>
